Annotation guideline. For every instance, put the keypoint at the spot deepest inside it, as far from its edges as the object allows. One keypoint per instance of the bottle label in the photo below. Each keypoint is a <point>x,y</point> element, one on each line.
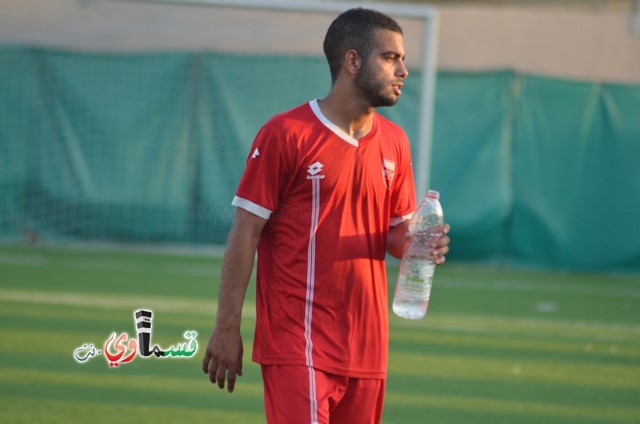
<point>415,275</point>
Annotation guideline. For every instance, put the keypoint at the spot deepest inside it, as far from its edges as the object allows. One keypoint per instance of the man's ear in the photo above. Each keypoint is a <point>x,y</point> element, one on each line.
<point>352,62</point>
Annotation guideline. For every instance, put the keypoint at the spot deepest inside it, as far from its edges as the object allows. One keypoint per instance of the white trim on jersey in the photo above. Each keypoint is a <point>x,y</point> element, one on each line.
<point>313,396</point>
<point>311,279</point>
<point>333,127</point>
<point>399,220</point>
<point>249,206</point>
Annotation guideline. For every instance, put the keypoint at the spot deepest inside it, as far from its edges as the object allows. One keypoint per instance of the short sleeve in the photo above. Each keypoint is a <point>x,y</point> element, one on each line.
<point>265,172</point>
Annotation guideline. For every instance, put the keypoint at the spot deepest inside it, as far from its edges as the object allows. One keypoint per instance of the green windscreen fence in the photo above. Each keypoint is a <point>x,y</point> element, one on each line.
<point>148,148</point>
<point>540,171</point>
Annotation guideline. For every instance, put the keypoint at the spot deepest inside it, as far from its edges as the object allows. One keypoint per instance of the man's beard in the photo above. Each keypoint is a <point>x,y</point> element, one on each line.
<point>371,91</point>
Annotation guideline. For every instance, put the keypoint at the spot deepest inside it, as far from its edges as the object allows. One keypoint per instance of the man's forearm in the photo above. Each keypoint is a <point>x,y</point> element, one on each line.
<point>237,266</point>
<point>397,239</point>
<point>236,272</point>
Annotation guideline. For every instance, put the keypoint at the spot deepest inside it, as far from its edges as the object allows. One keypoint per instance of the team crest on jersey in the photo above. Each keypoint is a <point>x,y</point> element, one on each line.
<point>388,171</point>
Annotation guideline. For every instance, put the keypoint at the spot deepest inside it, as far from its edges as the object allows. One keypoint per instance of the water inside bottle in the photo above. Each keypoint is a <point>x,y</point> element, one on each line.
<point>413,288</point>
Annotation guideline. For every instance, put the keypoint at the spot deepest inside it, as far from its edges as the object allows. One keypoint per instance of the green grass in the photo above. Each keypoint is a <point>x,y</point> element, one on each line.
<point>497,345</point>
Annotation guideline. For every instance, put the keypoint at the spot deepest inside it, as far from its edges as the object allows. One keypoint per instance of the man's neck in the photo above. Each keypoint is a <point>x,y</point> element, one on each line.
<point>352,117</point>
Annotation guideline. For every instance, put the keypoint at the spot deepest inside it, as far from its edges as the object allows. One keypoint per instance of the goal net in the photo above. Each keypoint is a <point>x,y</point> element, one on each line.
<point>130,121</point>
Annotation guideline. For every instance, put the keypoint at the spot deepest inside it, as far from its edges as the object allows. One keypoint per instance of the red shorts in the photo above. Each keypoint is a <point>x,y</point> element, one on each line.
<point>298,394</point>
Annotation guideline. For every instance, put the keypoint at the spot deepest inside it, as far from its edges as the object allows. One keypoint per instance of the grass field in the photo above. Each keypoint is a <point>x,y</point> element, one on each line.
<point>497,346</point>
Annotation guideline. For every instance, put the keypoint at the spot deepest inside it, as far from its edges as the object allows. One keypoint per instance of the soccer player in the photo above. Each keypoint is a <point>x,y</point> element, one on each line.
<point>327,191</point>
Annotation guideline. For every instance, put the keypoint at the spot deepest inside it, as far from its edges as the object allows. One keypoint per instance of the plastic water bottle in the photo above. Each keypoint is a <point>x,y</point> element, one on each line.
<point>413,288</point>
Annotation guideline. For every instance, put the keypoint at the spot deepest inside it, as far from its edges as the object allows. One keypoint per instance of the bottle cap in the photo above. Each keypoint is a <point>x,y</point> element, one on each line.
<point>433,194</point>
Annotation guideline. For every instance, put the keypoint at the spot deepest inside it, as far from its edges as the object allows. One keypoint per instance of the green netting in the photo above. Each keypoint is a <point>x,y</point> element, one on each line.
<point>471,163</point>
<point>150,147</point>
<point>576,174</point>
<point>237,94</point>
<point>114,150</point>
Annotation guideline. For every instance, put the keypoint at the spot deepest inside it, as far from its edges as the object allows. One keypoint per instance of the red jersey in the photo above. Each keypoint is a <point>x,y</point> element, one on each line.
<point>330,200</point>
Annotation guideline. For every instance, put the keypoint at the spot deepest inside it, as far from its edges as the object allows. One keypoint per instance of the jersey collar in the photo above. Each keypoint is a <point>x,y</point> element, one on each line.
<point>330,125</point>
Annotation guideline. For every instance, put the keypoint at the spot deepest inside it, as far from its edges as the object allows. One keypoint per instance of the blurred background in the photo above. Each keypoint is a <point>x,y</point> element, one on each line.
<point>124,129</point>
<point>129,121</point>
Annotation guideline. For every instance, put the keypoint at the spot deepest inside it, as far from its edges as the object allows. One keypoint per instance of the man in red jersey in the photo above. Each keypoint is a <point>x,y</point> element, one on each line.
<point>327,191</point>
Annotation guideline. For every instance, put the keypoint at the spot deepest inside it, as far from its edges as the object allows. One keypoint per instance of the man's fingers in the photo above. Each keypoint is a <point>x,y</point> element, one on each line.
<point>443,241</point>
<point>205,362</point>
<point>231,380</point>
<point>440,247</point>
<point>213,369</point>
<point>223,359</point>
<point>239,369</point>
<point>440,258</point>
<point>220,376</point>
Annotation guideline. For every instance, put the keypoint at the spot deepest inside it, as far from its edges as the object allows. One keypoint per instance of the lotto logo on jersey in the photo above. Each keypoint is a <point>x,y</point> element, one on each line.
<point>388,171</point>
<point>313,171</point>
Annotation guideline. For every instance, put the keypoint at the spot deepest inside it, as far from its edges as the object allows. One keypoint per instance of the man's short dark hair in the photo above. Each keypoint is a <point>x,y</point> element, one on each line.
<point>353,30</point>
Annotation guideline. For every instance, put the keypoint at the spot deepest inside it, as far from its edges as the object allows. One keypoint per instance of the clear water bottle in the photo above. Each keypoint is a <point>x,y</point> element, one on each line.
<point>413,288</point>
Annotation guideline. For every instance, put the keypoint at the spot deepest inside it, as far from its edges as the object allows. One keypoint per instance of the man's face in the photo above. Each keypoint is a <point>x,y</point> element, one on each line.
<point>380,79</point>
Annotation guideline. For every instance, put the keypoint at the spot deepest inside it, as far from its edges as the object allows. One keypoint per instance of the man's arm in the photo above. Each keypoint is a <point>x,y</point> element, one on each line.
<point>223,356</point>
<point>398,237</point>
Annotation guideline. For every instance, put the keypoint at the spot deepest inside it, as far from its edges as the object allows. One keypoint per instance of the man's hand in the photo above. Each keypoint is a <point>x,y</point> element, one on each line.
<point>440,247</point>
<point>223,358</point>
<point>399,236</point>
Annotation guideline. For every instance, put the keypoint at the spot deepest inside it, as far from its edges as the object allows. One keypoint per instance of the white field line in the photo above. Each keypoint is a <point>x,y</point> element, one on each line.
<point>569,329</point>
<point>108,264</point>
<point>176,305</point>
<point>21,259</point>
